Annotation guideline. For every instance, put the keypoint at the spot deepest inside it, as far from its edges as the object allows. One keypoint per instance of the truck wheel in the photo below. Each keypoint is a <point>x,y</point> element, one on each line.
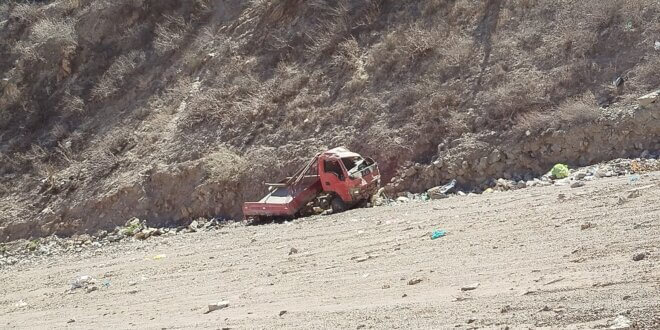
<point>338,205</point>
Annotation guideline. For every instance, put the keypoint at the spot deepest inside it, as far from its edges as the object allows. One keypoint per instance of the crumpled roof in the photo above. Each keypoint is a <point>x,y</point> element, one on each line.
<point>341,152</point>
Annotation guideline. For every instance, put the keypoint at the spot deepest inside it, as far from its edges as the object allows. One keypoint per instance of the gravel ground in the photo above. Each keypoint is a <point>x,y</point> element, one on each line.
<point>544,257</point>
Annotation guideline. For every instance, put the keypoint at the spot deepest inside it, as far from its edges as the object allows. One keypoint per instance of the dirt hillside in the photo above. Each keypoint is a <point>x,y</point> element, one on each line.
<point>541,258</point>
<point>171,110</point>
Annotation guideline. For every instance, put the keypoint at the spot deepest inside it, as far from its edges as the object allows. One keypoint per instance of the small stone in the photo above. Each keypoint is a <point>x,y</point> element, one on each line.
<point>470,287</point>
<point>639,256</point>
<point>656,46</point>
<point>70,321</point>
<point>283,312</point>
<point>470,321</point>
<point>293,251</point>
<point>361,326</point>
<point>193,226</point>
<point>415,281</point>
<point>217,306</point>
<point>403,199</point>
<point>505,309</point>
<point>634,194</point>
<point>386,286</point>
<point>404,295</point>
<point>92,289</point>
<point>546,309</point>
<point>362,259</point>
<point>587,225</point>
<point>577,184</point>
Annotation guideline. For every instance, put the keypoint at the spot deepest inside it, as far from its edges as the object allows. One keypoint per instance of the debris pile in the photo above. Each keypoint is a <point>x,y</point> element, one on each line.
<point>134,229</point>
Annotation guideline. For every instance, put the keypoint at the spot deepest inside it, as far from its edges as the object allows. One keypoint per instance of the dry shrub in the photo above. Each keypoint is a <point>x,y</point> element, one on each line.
<point>646,75</point>
<point>579,110</point>
<point>332,27</point>
<point>114,77</point>
<point>72,104</point>
<point>434,7</point>
<point>522,91</point>
<point>50,28</point>
<point>170,33</point>
<point>575,111</point>
<point>25,13</point>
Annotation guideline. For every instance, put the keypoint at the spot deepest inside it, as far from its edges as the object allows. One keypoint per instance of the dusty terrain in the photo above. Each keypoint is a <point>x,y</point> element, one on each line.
<point>549,257</point>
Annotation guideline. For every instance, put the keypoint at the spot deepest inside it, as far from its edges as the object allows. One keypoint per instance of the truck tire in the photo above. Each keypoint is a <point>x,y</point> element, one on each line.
<point>338,205</point>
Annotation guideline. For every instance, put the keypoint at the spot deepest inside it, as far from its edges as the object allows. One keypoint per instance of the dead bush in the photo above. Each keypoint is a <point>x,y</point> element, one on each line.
<point>170,34</point>
<point>111,81</point>
<point>523,91</point>
<point>72,104</point>
<point>578,110</point>
<point>646,75</point>
<point>25,13</point>
<point>50,28</point>
<point>332,27</point>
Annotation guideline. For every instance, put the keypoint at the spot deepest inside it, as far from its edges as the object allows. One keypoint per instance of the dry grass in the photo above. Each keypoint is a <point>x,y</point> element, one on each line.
<point>50,28</point>
<point>170,33</point>
<point>112,80</point>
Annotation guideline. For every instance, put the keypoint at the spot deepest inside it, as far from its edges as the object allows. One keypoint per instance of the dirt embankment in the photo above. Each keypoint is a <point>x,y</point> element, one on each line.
<point>182,109</point>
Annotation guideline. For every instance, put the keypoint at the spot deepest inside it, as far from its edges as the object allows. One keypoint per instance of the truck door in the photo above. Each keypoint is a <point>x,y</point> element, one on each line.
<point>333,179</point>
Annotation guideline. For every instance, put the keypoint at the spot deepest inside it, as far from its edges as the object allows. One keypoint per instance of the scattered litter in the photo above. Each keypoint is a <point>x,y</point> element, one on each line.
<point>633,179</point>
<point>438,233</point>
<point>621,322</point>
<point>657,45</point>
<point>159,257</point>
<point>21,304</point>
<point>217,306</point>
<point>82,281</point>
<point>560,171</point>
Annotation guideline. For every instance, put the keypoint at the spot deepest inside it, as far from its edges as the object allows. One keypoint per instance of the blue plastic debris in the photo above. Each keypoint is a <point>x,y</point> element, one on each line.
<point>438,233</point>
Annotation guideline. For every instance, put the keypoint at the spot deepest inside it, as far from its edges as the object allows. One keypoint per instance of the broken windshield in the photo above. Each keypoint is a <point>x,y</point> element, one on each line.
<point>355,165</point>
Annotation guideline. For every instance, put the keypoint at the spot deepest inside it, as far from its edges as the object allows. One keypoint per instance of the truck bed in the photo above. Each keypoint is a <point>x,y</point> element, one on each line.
<point>285,200</point>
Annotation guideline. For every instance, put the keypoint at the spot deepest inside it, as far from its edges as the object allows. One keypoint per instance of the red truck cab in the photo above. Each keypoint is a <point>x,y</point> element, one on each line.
<point>343,176</point>
<point>348,175</point>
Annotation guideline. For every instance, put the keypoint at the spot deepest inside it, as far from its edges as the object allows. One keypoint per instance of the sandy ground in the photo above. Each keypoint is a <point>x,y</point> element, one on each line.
<point>535,265</point>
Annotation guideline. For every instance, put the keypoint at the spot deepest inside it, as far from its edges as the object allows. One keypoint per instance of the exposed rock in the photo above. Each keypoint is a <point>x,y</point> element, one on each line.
<point>648,99</point>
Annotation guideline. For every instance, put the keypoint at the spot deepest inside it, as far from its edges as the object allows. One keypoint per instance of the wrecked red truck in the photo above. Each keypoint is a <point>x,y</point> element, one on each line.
<point>337,177</point>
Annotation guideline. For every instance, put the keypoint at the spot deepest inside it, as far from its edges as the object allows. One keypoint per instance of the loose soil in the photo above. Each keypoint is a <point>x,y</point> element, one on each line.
<point>535,264</point>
